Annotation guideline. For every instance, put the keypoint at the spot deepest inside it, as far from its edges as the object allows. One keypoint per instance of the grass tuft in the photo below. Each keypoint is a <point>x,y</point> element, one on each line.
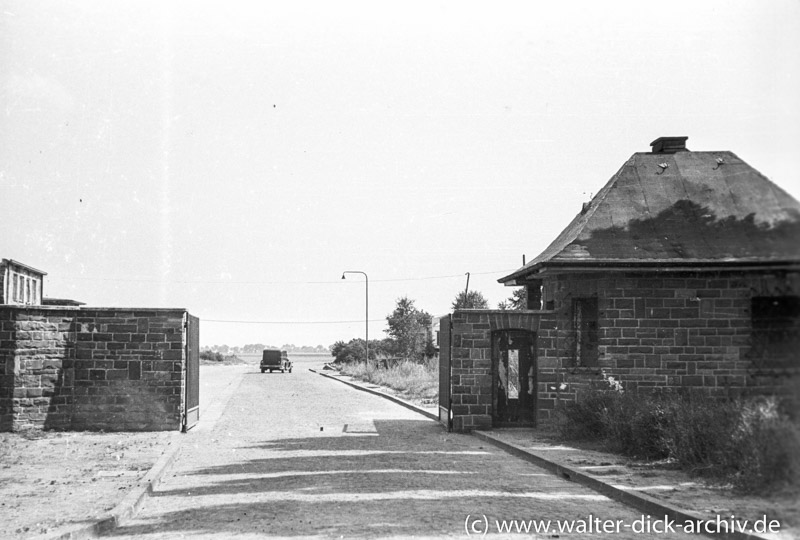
<point>417,381</point>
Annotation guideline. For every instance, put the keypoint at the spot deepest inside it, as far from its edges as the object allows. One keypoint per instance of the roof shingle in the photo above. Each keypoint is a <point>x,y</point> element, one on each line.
<point>686,207</point>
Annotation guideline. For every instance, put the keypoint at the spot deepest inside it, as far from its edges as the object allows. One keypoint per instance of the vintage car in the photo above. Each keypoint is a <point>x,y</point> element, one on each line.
<point>273,359</point>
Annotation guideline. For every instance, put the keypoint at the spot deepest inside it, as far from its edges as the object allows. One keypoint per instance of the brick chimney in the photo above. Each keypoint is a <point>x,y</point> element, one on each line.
<point>669,145</point>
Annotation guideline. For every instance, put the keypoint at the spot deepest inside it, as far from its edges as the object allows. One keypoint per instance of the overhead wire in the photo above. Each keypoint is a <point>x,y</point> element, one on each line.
<point>260,282</point>
<point>291,322</point>
<point>230,321</point>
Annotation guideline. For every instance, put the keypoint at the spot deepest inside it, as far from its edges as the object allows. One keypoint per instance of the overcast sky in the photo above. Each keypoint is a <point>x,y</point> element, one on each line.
<point>233,158</point>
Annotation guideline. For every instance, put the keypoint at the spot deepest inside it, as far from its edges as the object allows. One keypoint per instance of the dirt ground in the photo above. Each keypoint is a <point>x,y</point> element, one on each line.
<point>50,480</point>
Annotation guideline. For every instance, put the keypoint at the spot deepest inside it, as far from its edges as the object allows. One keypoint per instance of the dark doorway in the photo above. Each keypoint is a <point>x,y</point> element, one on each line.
<point>514,377</point>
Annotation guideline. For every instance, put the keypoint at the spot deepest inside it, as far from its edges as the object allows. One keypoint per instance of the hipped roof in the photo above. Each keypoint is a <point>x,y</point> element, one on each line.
<point>681,209</point>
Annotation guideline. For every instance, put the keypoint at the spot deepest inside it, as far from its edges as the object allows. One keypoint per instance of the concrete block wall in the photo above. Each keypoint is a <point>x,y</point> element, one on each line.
<point>91,369</point>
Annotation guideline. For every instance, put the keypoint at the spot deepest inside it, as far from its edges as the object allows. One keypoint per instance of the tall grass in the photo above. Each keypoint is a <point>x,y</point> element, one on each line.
<point>750,443</point>
<point>419,381</point>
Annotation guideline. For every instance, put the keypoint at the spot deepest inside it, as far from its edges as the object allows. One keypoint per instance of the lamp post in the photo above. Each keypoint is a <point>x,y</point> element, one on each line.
<point>366,316</point>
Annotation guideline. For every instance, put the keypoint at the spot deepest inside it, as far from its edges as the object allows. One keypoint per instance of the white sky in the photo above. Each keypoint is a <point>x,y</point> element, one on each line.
<point>233,158</point>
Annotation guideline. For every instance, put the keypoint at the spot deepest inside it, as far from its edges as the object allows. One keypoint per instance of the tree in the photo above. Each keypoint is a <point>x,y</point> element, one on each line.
<point>409,329</point>
<point>517,301</point>
<point>470,300</point>
<point>353,350</point>
<point>253,348</point>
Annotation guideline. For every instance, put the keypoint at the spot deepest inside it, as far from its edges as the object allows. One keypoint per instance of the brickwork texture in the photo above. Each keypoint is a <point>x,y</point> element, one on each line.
<point>91,369</point>
<point>682,331</point>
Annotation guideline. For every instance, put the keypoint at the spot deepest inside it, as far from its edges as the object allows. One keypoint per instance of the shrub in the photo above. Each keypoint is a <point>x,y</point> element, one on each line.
<point>751,443</point>
<point>583,419</point>
<point>698,432</point>
<point>586,417</point>
<point>352,351</point>
<point>211,356</point>
<point>765,449</point>
<point>635,425</point>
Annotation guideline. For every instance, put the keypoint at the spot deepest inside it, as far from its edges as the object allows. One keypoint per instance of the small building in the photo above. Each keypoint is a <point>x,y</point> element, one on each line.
<point>20,284</point>
<point>683,272</point>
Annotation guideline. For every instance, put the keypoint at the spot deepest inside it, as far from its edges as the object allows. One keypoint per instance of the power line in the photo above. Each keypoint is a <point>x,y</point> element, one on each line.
<point>228,282</point>
<point>289,322</point>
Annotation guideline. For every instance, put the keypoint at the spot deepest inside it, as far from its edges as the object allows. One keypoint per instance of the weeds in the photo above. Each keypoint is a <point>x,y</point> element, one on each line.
<point>416,380</point>
<point>751,443</point>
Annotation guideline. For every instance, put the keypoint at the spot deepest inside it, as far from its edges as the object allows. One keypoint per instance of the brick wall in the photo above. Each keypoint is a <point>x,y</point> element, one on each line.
<point>680,331</point>
<point>677,331</point>
<point>91,369</point>
<point>471,361</point>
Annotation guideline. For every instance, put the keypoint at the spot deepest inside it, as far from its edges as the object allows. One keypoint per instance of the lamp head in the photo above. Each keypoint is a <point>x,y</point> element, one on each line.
<point>342,276</point>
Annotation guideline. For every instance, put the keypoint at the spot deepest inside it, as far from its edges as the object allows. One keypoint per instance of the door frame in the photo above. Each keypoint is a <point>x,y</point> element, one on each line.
<point>530,382</point>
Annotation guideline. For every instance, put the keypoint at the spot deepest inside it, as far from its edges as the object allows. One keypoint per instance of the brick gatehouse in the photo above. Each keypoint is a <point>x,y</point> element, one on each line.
<point>683,272</point>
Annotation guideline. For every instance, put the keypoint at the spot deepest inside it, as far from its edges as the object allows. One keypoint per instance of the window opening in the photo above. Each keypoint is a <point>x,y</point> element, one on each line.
<point>775,331</point>
<point>585,325</point>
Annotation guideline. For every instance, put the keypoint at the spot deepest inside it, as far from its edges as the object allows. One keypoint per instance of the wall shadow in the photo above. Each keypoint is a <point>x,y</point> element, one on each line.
<point>411,478</point>
<point>6,393</point>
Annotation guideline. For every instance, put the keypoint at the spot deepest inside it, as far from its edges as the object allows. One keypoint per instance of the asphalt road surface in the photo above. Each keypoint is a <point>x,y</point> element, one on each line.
<point>299,455</point>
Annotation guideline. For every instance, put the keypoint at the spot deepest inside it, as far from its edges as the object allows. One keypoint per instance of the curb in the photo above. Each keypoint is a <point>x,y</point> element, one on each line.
<point>399,401</point>
<point>640,501</point>
<point>130,504</point>
<point>128,507</point>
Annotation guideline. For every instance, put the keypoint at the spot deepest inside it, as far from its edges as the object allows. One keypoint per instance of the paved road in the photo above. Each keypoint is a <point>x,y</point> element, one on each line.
<point>301,455</point>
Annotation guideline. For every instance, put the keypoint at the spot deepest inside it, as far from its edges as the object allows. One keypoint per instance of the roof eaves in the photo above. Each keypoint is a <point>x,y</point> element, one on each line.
<point>25,266</point>
<point>670,265</point>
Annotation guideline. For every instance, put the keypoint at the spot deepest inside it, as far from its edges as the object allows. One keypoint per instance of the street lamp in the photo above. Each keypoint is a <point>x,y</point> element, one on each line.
<point>366,317</point>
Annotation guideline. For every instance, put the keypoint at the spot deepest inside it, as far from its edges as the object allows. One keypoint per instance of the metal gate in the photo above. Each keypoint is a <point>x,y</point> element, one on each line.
<point>445,404</point>
<point>191,403</point>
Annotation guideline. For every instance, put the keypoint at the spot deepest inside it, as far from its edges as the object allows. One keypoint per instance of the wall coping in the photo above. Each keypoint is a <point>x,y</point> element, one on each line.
<point>86,308</point>
<point>16,307</point>
<point>507,311</point>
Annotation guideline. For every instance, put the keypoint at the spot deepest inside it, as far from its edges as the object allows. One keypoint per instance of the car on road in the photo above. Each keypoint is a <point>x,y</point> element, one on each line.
<point>273,360</point>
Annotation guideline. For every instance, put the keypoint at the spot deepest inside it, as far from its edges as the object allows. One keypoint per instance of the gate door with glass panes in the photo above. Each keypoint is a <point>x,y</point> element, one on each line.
<point>513,378</point>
